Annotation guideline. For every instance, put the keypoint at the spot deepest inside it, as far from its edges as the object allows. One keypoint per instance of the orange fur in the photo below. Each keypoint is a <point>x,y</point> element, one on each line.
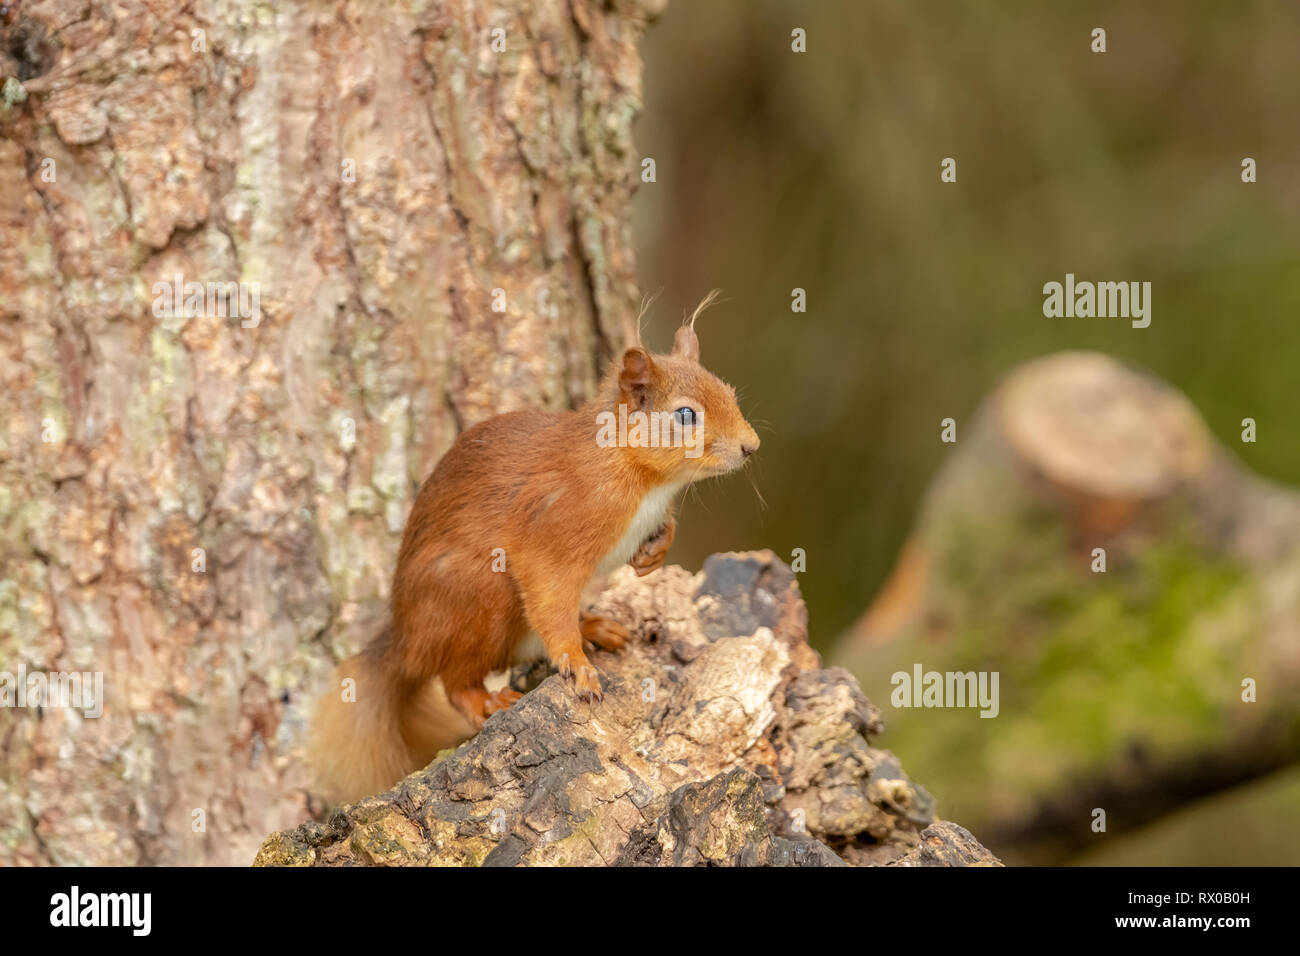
<point>539,486</point>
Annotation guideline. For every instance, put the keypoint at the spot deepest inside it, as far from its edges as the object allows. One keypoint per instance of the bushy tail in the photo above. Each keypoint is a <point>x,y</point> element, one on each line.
<point>369,734</point>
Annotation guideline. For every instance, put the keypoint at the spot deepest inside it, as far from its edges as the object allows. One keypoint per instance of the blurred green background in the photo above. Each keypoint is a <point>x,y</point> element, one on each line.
<point>821,170</point>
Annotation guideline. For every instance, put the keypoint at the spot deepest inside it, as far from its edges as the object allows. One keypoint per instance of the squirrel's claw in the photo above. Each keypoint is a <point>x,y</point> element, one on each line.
<point>586,679</point>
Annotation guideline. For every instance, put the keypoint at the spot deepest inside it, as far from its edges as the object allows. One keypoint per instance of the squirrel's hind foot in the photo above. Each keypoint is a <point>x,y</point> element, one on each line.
<point>478,703</point>
<point>604,632</point>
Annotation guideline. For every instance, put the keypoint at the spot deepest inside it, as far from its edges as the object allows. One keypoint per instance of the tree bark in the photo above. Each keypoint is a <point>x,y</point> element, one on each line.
<point>372,172</point>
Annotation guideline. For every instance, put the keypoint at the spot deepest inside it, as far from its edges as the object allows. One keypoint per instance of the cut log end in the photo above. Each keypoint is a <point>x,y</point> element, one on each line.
<point>1095,427</point>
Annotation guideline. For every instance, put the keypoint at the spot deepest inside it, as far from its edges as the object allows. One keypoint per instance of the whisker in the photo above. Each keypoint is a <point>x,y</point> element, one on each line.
<point>754,484</point>
<point>691,485</point>
<point>694,489</point>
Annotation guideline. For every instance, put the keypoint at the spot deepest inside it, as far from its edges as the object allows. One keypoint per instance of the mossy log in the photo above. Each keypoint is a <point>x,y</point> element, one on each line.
<point>1124,686</point>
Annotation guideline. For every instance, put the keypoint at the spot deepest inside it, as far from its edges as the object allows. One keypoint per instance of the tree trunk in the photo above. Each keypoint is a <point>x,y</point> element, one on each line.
<point>205,508</point>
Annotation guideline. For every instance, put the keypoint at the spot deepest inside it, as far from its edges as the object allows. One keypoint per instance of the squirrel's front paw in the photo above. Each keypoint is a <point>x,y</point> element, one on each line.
<point>654,549</point>
<point>586,679</point>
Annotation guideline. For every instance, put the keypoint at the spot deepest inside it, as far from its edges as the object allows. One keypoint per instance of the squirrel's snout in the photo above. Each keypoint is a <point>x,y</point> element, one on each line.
<point>747,449</point>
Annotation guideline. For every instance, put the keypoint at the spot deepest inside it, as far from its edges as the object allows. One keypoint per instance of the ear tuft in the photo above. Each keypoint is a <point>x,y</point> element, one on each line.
<point>686,344</point>
<point>635,375</point>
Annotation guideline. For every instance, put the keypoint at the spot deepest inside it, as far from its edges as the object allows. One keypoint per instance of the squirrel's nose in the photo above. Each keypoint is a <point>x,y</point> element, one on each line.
<point>748,448</point>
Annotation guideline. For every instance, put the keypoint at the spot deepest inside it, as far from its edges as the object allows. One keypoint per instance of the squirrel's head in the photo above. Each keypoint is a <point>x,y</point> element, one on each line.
<point>682,421</point>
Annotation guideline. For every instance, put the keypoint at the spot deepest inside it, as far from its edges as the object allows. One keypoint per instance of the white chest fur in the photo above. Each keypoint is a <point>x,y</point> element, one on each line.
<point>648,518</point>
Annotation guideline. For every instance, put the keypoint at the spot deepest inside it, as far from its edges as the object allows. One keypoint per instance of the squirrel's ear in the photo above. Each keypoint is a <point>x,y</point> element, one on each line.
<point>634,376</point>
<point>686,344</point>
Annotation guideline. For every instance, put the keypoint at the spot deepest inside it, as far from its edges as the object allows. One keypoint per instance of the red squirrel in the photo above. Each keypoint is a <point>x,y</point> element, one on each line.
<point>526,512</point>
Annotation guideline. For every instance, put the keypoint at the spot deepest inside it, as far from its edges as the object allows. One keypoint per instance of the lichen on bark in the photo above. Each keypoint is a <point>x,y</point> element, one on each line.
<point>375,171</point>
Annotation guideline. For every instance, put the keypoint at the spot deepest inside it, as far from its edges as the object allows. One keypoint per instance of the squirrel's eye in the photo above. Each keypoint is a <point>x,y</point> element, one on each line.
<point>685,416</point>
